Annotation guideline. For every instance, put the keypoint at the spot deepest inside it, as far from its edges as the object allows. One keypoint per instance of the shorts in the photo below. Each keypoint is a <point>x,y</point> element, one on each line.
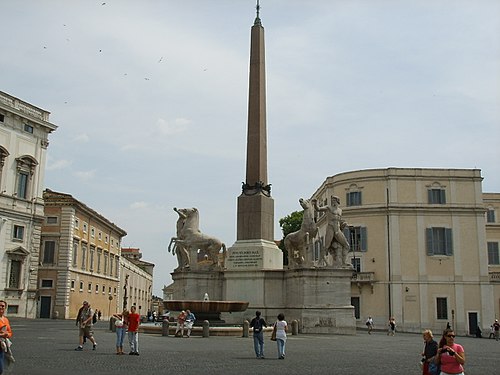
<point>86,331</point>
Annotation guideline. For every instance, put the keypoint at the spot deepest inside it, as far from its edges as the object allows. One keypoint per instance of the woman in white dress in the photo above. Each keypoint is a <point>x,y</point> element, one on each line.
<point>281,329</point>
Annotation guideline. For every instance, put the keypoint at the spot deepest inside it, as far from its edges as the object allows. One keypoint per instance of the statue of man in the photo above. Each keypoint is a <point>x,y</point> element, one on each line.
<point>334,235</point>
<point>182,254</point>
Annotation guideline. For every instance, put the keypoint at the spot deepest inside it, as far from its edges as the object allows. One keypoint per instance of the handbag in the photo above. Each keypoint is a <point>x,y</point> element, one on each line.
<point>273,335</point>
<point>119,323</point>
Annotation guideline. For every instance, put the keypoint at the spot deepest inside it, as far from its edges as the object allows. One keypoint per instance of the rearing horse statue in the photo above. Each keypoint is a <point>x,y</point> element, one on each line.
<point>191,238</point>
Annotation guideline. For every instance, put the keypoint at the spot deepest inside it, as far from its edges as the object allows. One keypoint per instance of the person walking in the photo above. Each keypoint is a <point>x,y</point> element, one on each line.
<point>190,319</point>
<point>369,324</point>
<point>5,335</point>
<point>429,366</point>
<point>134,320</point>
<point>121,324</point>
<point>281,329</point>
<point>450,356</point>
<point>84,321</point>
<point>258,325</point>
<point>392,326</point>
<point>496,329</point>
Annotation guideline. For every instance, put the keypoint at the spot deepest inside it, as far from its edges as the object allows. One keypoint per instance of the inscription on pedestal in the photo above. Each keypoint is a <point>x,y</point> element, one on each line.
<point>245,259</point>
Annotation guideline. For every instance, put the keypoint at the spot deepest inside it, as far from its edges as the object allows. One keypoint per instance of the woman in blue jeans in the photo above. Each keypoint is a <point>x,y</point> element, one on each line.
<point>121,329</point>
<point>281,329</point>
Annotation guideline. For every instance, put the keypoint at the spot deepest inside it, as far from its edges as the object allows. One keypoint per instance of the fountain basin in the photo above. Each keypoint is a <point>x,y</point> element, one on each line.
<point>205,306</point>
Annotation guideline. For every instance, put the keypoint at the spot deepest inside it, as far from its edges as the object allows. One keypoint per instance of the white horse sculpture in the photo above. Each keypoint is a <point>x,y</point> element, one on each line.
<point>297,243</point>
<point>193,240</point>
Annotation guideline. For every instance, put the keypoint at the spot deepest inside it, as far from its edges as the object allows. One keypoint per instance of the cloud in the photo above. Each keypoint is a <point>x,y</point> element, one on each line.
<point>83,138</point>
<point>85,175</point>
<point>139,205</point>
<point>58,164</point>
<point>179,125</point>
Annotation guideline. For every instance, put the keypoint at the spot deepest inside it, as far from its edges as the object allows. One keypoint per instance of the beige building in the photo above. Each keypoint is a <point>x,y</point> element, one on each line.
<point>136,281</point>
<point>425,246</point>
<point>24,131</point>
<point>79,259</point>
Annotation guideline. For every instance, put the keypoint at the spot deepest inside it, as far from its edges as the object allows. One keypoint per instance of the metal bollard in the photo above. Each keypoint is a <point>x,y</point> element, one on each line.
<point>295,327</point>
<point>206,328</point>
<point>164,327</point>
<point>246,328</point>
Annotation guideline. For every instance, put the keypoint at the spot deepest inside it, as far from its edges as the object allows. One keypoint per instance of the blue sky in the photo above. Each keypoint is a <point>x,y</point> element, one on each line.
<point>151,99</point>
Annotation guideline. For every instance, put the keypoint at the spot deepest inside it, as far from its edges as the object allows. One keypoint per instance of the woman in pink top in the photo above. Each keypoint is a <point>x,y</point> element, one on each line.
<point>451,356</point>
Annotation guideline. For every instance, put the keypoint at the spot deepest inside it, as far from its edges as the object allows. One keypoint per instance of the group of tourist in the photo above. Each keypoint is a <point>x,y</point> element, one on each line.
<point>186,320</point>
<point>125,322</point>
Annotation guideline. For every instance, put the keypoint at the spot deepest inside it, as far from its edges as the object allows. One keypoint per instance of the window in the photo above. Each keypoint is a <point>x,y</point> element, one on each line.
<point>18,232</point>
<point>439,241</point>
<point>49,251</point>
<point>490,215</point>
<point>103,289</point>
<point>99,254</point>
<point>111,264</point>
<point>3,155</point>
<point>100,236</point>
<point>357,310</point>
<point>46,283</point>
<point>12,309</point>
<point>436,196</point>
<point>442,308</point>
<point>97,288</point>
<point>75,253</point>
<point>25,169</point>
<point>15,274</point>
<point>353,198</point>
<point>84,257</point>
<point>77,223</point>
<point>117,265</point>
<point>89,289</point>
<point>91,260</point>
<point>92,232</point>
<point>105,270</point>
<point>356,264</point>
<point>109,290</point>
<point>357,237</point>
<point>28,128</point>
<point>493,257</point>
<point>81,286</point>
<point>72,284</point>
<point>2,117</point>
<point>105,239</point>
<point>85,226</point>
<point>52,220</point>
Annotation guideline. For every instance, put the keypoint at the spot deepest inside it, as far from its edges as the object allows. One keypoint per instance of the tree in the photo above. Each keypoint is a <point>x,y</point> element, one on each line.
<point>289,224</point>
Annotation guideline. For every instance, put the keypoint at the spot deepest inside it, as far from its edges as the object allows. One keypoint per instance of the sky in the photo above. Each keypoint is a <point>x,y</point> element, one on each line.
<point>150,99</point>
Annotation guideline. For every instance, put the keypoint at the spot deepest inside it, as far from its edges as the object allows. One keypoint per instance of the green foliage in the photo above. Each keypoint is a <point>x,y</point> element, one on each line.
<point>289,224</point>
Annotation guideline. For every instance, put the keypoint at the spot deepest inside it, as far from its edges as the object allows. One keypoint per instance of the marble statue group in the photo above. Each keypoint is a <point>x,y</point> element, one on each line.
<point>195,250</point>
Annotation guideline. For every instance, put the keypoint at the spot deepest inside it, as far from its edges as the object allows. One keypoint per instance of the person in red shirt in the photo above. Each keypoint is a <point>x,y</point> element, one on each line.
<point>133,331</point>
<point>5,332</point>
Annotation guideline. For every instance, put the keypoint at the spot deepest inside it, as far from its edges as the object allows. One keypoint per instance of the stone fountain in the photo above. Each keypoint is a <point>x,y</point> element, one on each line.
<point>206,310</point>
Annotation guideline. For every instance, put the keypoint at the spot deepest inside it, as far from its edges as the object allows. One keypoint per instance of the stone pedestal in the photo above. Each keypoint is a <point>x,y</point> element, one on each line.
<point>247,255</point>
<point>320,299</point>
<point>192,285</point>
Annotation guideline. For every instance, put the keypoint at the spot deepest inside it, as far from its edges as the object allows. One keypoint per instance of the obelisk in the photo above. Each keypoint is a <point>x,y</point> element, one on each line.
<point>255,247</point>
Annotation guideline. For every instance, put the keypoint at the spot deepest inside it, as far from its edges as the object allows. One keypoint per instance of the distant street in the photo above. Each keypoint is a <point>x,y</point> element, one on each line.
<point>47,347</point>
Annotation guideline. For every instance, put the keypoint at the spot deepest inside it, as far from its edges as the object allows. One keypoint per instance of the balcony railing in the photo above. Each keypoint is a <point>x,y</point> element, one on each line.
<point>494,277</point>
<point>363,278</point>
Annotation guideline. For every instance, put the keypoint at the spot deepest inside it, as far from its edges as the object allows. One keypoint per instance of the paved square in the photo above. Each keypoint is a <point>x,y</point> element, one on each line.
<point>47,347</point>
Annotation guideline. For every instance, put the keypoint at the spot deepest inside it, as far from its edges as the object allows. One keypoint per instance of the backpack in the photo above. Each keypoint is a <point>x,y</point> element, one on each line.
<point>257,327</point>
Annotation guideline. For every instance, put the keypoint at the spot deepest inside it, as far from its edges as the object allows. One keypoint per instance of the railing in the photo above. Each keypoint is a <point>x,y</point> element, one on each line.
<point>24,107</point>
<point>363,277</point>
<point>494,277</point>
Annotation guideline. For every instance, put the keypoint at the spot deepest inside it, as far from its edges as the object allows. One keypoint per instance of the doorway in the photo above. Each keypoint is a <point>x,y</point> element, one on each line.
<point>45,303</point>
<point>473,323</point>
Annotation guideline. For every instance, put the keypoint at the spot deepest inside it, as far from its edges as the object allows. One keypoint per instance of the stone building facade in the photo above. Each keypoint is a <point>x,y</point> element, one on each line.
<point>79,259</point>
<point>425,246</point>
<point>24,131</point>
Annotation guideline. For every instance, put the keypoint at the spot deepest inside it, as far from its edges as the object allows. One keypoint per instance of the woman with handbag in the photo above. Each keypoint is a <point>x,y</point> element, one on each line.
<point>281,328</point>
<point>121,327</point>
<point>450,356</point>
<point>429,367</point>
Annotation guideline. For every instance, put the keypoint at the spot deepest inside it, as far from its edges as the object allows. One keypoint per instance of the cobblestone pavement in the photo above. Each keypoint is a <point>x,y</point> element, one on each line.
<point>47,347</point>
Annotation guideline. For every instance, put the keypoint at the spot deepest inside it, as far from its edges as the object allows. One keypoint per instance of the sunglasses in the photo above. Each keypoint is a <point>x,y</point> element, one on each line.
<point>452,336</point>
